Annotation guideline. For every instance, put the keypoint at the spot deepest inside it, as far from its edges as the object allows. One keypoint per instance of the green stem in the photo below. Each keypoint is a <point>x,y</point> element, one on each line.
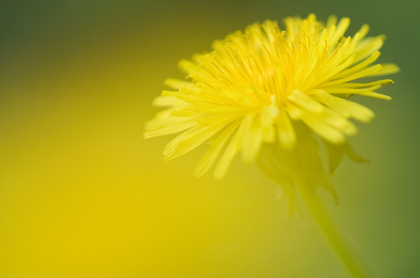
<point>334,236</point>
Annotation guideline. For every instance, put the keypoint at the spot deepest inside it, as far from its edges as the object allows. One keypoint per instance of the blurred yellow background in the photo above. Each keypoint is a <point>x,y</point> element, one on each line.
<point>83,195</point>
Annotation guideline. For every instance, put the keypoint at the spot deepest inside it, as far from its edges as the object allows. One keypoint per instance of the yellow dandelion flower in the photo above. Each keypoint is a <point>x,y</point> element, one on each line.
<point>265,93</point>
<point>256,85</point>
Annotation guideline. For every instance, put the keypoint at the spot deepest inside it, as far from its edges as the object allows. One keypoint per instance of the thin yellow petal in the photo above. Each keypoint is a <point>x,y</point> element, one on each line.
<point>168,125</point>
<point>369,46</point>
<point>286,132</point>
<point>323,129</point>
<point>342,26</point>
<point>369,85</point>
<point>344,107</point>
<point>359,66</point>
<point>231,150</point>
<point>252,141</point>
<point>332,20</point>
<point>364,73</point>
<point>190,139</point>
<point>216,148</point>
<point>305,102</point>
<point>387,69</point>
<point>177,83</point>
<point>164,101</point>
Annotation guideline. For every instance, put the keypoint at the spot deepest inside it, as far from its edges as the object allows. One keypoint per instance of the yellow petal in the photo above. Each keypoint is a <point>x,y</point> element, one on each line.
<point>359,66</point>
<point>387,69</point>
<point>344,107</point>
<point>252,140</point>
<point>168,125</point>
<point>191,139</point>
<point>323,129</point>
<point>286,132</point>
<point>163,101</point>
<point>367,47</point>
<point>230,152</point>
<point>177,83</point>
<point>363,73</point>
<point>216,148</point>
<point>342,26</point>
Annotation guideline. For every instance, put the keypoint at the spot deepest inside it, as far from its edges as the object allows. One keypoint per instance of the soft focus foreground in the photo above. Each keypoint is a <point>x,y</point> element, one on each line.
<point>82,195</point>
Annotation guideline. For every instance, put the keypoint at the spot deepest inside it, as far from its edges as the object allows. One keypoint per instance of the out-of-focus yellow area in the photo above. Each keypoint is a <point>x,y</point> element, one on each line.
<point>83,195</point>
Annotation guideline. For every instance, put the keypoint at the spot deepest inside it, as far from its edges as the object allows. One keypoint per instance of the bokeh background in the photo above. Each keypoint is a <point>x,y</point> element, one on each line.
<point>83,195</point>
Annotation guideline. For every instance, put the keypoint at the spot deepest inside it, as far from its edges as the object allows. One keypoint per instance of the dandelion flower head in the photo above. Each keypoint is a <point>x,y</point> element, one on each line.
<point>256,86</point>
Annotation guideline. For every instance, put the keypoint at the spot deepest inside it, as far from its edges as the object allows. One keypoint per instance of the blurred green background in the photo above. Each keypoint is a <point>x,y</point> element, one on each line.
<point>83,195</point>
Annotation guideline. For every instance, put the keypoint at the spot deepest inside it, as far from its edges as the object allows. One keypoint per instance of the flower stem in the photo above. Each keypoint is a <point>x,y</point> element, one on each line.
<point>334,236</point>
